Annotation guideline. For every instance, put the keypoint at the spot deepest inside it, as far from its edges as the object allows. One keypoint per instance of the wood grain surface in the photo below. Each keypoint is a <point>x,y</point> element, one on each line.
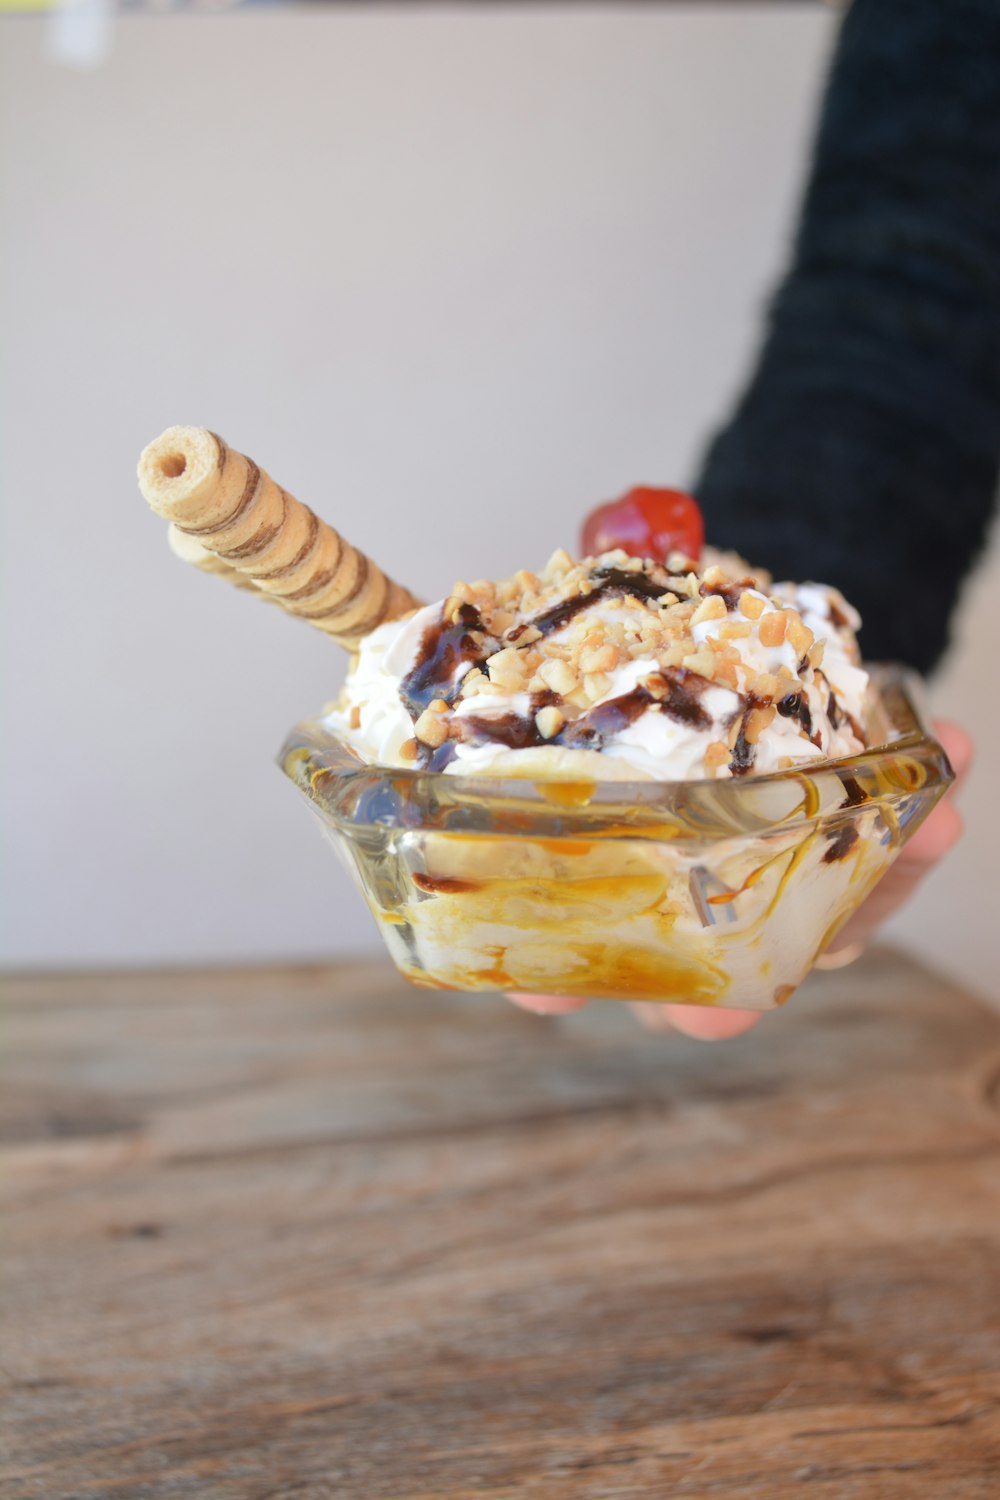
<point>308,1233</point>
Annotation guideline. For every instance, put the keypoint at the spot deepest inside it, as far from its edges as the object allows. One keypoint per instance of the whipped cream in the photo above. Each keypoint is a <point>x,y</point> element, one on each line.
<point>612,668</point>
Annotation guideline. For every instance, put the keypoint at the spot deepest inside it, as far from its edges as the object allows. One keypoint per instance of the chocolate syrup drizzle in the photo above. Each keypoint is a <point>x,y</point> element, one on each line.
<point>675,691</point>
<point>841,844</point>
<point>729,591</point>
<point>794,706</point>
<point>744,754</point>
<point>606,581</point>
<point>443,649</point>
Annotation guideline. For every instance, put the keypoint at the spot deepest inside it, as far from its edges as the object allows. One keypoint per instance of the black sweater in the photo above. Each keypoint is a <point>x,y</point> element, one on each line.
<point>865,451</point>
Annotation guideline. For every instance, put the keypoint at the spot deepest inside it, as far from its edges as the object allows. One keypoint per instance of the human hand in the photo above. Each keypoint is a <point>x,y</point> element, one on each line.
<point>929,844</point>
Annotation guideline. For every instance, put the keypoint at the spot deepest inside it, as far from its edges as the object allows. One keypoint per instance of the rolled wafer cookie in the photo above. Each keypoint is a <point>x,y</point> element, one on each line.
<point>190,550</point>
<point>222,504</point>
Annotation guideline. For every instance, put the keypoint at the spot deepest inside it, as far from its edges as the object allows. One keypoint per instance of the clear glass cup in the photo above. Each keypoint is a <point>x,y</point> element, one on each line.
<point>703,892</point>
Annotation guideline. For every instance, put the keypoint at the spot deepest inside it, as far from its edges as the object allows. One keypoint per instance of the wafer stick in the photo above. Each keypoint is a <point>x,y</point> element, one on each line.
<point>221,504</point>
<point>190,550</point>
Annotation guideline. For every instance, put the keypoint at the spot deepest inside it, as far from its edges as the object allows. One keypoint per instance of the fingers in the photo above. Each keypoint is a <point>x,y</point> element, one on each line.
<point>702,1022</point>
<point>957,745</point>
<point>692,1020</point>
<point>547,1005</point>
<point>932,841</point>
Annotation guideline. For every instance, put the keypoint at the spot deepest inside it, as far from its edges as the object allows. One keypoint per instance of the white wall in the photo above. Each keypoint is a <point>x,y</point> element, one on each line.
<point>451,276</point>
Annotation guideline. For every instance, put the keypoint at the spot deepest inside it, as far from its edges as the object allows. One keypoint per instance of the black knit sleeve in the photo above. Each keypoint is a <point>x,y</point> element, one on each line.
<point>865,451</point>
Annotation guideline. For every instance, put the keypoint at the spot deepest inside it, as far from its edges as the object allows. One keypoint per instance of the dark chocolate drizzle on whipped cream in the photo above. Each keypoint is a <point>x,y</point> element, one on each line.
<point>444,649</point>
<point>673,690</point>
<point>605,581</point>
<point>744,754</point>
<point>449,650</point>
<point>730,591</point>
<point>794,706</point>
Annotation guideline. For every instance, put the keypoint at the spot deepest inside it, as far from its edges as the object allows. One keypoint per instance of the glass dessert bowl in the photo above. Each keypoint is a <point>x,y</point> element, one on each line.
<point>711,892</point>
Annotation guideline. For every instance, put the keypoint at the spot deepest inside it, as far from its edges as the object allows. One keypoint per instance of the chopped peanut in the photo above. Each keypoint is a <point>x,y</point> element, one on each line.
<point>596,684</point>
<point>599,659</point>
<point>800,636</point>
<point>757,721</point>
<point>751,605</point>
<point>717,755</point>
<point>559,563</point>
<point>772,627</point>
<point>431,729</point>
<point>673,655</point>
<point>701,662</point>
<point>505,659</point>
<point>735,630</point>
<point>713,607</point>
<point>549,721</point>
<point>559,676</point>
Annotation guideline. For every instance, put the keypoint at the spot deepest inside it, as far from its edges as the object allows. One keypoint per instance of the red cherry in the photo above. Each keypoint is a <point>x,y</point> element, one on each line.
<point>646,523</point>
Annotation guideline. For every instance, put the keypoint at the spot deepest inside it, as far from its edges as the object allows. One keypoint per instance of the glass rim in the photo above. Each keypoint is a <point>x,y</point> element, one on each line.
<point>329,772</point>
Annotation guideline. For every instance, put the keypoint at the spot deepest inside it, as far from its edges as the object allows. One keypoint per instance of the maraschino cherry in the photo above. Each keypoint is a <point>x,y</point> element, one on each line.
<point>646,523</point>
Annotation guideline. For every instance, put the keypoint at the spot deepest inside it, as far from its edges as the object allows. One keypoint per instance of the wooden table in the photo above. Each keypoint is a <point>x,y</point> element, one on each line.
<point>308,1233</point>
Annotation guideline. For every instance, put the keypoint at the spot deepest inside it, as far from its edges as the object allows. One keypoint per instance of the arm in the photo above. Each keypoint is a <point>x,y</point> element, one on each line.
<point>865,450</point>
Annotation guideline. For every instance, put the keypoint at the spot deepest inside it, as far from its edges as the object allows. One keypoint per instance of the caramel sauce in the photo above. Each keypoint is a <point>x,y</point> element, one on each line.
<point>443,885</point>
<point>567,793</point>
